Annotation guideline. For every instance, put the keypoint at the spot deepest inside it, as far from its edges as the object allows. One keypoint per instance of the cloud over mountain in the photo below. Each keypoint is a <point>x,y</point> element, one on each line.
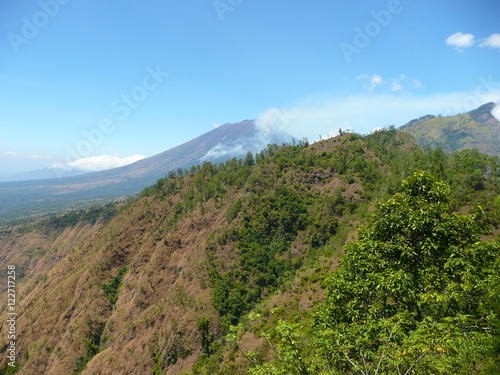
<point>103,162</point>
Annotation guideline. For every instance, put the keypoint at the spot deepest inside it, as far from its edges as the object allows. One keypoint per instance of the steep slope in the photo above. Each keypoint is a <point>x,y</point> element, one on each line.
<point>158,287</point>
<point>31,198</point>
<point>166,251</point>
<point>476,129</point>
<point>160,292</point>
<point>36,250</point>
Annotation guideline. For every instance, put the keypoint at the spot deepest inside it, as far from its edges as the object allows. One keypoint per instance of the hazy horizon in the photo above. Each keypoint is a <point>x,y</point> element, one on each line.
<point>97,85</point>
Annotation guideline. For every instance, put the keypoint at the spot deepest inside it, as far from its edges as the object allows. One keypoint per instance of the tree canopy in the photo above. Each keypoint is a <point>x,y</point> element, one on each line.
<point>417,293</point>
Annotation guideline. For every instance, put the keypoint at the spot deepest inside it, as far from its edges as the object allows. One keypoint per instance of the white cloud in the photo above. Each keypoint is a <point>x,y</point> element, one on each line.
<point>321,116</point>
<point>460,40</point>
<point>494,96</point>
<point>273,119</point>
<point>374,80</point>
<point>396,86</point>
<point>103,162</point>
<point>492,41</point>
<point>496,111</point>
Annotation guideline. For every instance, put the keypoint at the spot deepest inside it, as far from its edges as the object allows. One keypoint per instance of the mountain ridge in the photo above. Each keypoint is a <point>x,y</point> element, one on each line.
<point>475,129</point>
<point>159,284</point>
<point>43,196</point>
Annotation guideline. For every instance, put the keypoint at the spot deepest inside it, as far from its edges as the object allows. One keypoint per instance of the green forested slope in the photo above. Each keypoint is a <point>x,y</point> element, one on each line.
<point>223,268</point>
<point>417,293</point>
<point>476,129</point>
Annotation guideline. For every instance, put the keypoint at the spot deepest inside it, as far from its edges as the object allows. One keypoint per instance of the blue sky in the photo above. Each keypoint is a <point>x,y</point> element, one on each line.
<point>90,82</point>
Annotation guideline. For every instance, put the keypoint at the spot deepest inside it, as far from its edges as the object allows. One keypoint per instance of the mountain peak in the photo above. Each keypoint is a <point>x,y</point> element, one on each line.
<point>475,129</point>
<point>483,113</point>
<point>231,140</point>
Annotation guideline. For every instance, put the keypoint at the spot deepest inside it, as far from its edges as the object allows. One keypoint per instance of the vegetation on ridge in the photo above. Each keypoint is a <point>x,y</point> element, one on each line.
<point>416,293</point>
<point>477,129</point>
<point>227,264</point>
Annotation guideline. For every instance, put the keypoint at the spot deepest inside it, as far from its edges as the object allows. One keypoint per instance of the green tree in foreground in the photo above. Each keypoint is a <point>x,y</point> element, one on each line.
<point>417,293</point>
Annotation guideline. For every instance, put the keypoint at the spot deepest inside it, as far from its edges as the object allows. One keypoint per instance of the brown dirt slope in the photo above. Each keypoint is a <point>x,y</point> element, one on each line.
<point>66,323</point>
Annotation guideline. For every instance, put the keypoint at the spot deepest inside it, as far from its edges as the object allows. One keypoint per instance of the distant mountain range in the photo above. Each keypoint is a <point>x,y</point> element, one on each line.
<point>43,174</point>
<point>154,286</point>
<point>475,129</point>
<point>36,197</point>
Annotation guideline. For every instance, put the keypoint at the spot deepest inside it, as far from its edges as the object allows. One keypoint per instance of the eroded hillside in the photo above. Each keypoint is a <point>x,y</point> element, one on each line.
<point>157,288</point>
